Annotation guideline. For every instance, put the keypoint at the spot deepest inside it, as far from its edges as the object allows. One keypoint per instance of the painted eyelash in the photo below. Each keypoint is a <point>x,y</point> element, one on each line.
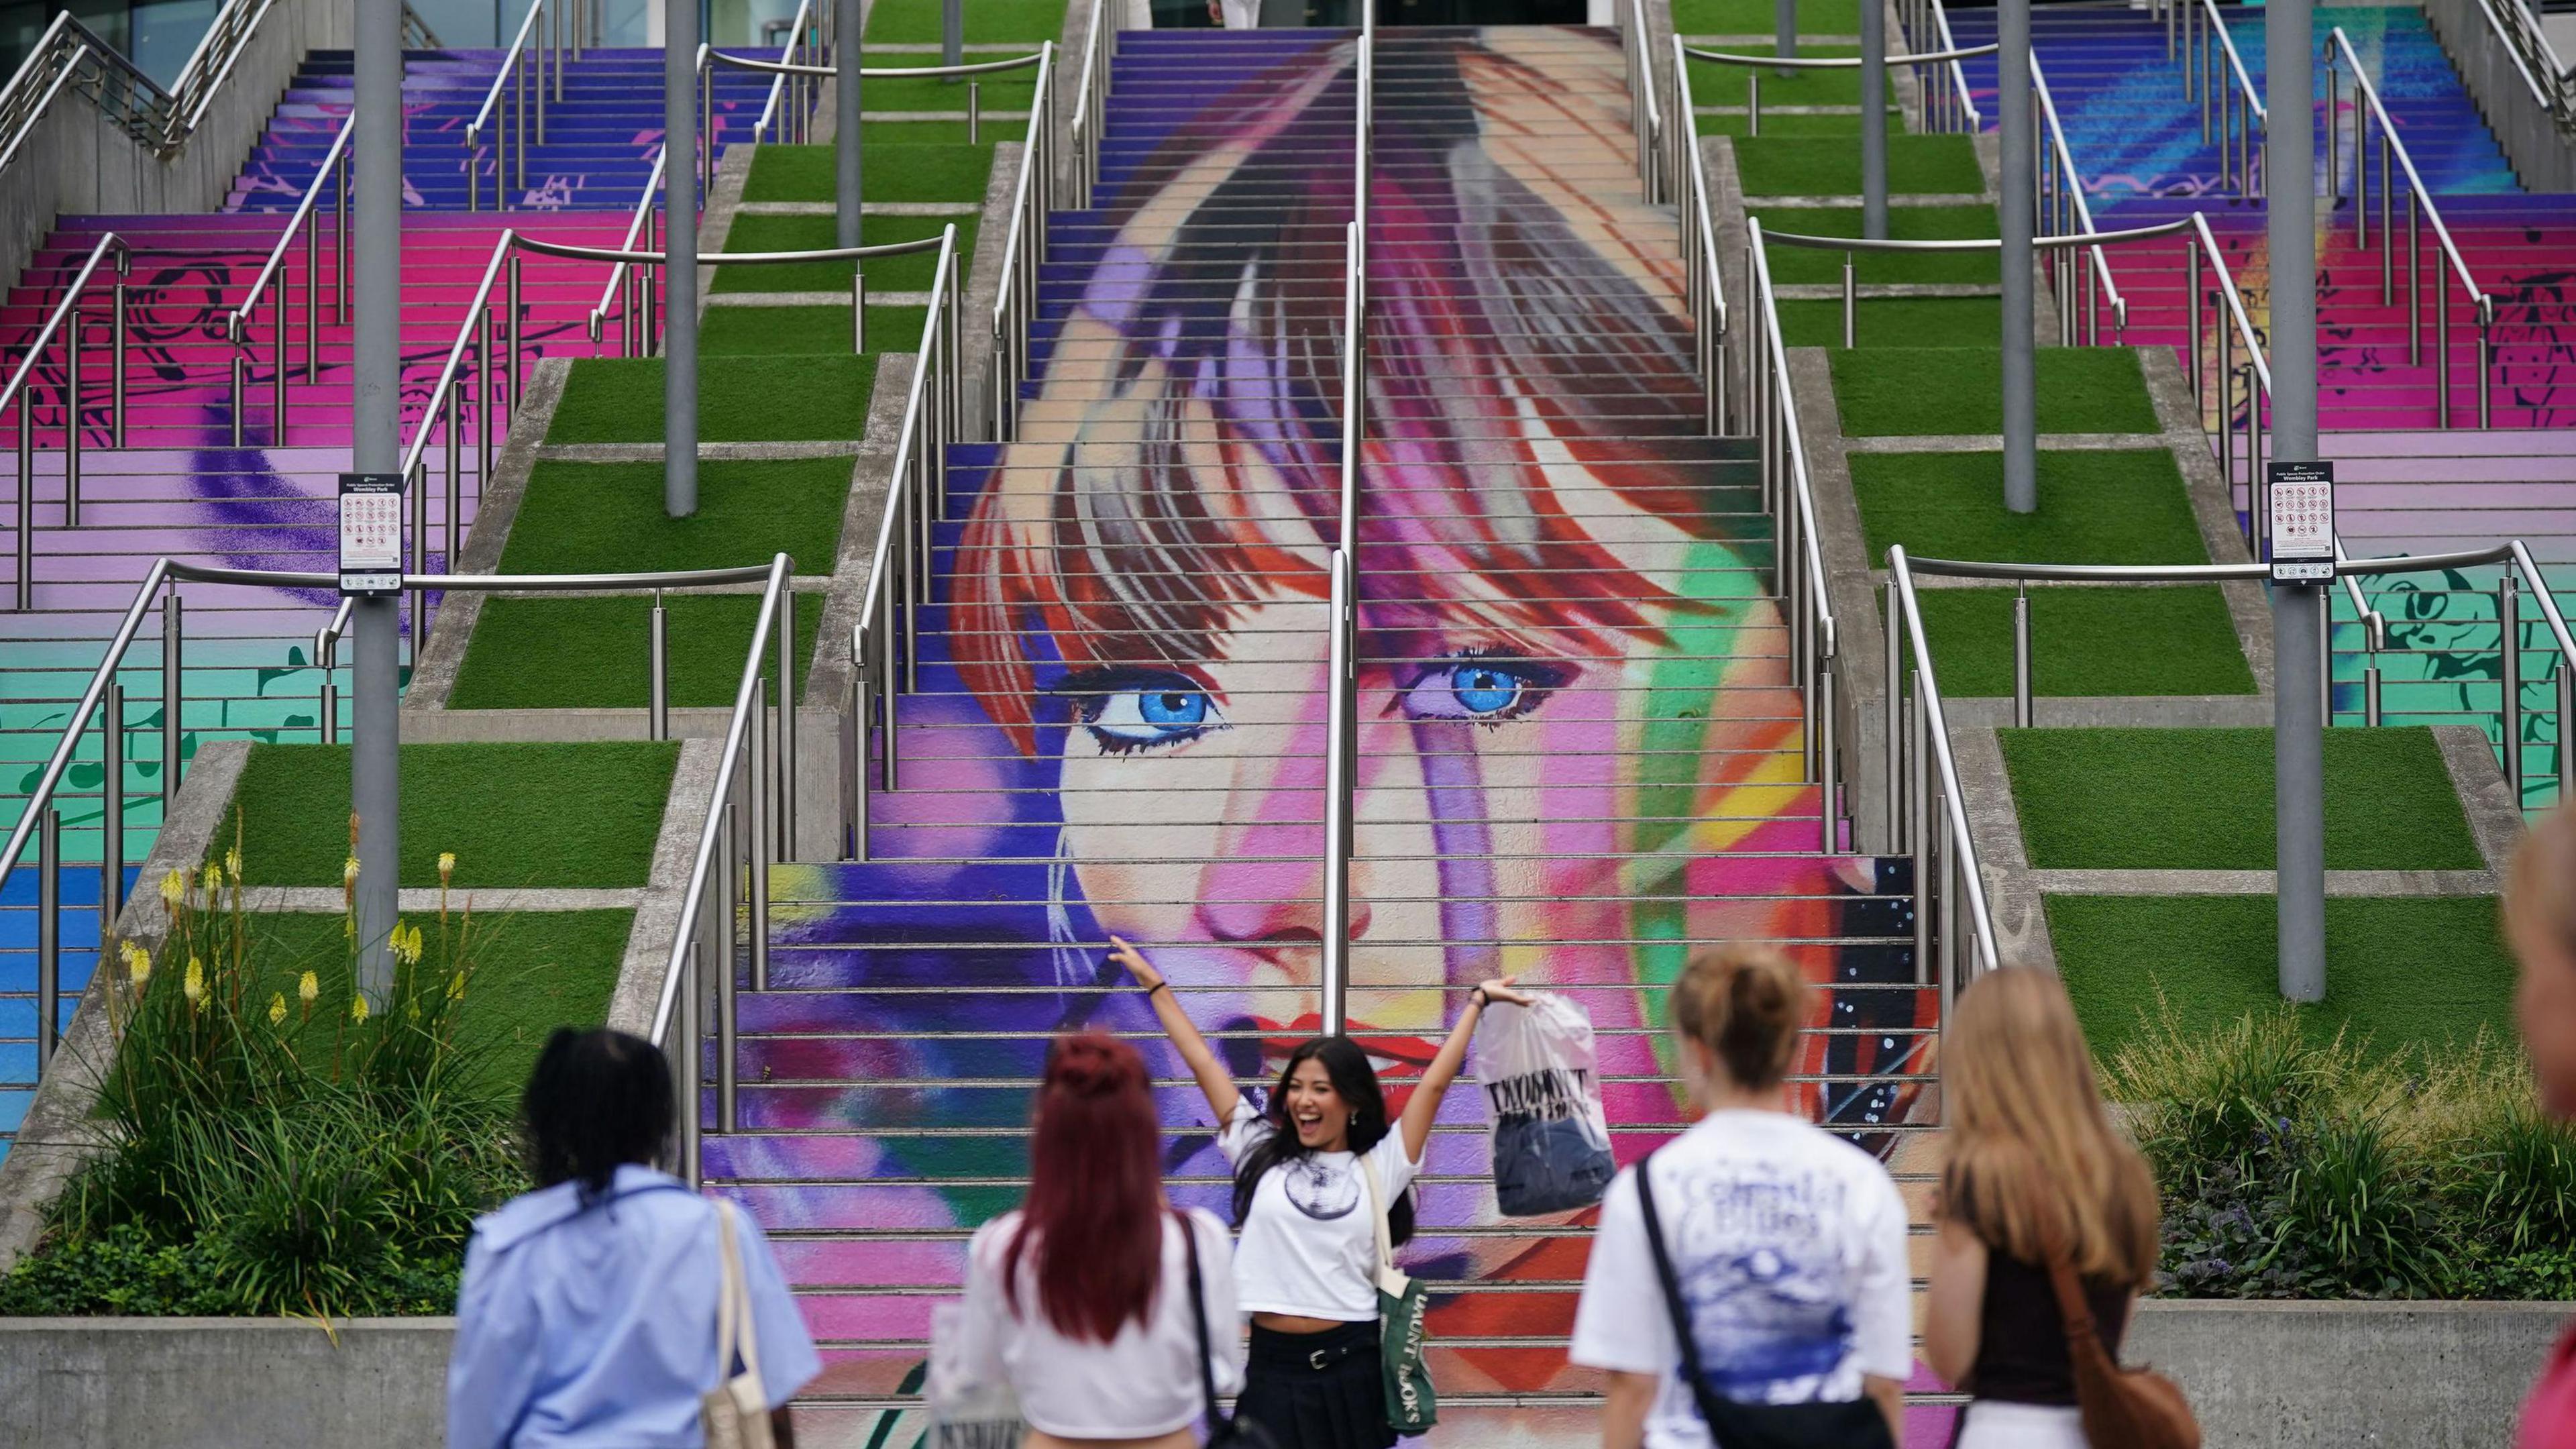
<point>1542,679</point>
<point>1086,690</point>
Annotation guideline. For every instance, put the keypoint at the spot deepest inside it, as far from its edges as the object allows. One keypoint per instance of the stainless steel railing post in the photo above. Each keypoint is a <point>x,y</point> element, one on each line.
<point>241,383</point>
<point>312,297</point>
<point>2371,709</point>
<point>26,498</point>
<point>859,320</point>
<point>2509,653</point>
<point>511,378</point>
<point>761,784</point>
<point>111,815</point>
<point>728,1037</point>
<point>2023,711</point>
<point>2566,714</point>
<point>455,471</point>
<point>277,347</point>
<point>1851,300</point>
<point>71,418</point>
<point>688,1071</point>
<point>2414,285</point>
<point>173,638</point>
<point>340,234</point>
<point>2442,352</point>
<point>2486,368</point>
<point>1921,819</point>
<point>1891,738</point>
<point>854,752</point>
<point>116,363</point>
<point>1827,767</point>
<point>657,669</point>
<point>49,936</point>
<point>330,700</point>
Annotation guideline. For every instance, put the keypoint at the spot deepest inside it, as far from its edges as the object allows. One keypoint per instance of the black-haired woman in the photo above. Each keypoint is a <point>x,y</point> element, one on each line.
<point>1304,1168</point>
<point>588,1311</point>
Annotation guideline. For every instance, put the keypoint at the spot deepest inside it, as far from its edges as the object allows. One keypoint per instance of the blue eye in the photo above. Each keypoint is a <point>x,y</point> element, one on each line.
<point>1133,710</point>
<point>1490,690</point>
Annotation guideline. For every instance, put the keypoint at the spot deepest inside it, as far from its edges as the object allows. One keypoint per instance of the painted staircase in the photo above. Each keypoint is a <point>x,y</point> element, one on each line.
<point>1575,722</point>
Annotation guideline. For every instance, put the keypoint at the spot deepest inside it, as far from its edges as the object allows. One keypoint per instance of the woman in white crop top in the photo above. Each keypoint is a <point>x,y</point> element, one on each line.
<point>1306,1266</point>
<point>1100,1343</point>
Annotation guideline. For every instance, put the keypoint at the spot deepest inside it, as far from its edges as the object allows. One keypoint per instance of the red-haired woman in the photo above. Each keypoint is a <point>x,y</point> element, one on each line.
<point>1099,1339</point>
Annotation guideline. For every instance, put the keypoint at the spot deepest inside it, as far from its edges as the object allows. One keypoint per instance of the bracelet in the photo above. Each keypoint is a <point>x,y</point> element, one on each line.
<point>1157,986</point>
<point>1481,999</point>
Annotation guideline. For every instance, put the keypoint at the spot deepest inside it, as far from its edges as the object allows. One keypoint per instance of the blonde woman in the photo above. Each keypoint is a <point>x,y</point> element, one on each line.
<point>1748,1280</point>
<point>2034,1166</point>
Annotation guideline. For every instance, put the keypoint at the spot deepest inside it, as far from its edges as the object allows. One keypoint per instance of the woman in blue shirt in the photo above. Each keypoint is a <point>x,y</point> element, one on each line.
<point>588,1312</point>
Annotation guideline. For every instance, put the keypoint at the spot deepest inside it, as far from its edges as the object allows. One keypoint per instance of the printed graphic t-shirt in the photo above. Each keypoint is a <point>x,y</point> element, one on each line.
<point>1309,1243</point>
<point>1789,1245</point>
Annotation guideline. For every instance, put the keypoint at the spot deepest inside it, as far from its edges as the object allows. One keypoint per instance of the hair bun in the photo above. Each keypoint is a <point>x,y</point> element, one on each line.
<point>1092,1065</point>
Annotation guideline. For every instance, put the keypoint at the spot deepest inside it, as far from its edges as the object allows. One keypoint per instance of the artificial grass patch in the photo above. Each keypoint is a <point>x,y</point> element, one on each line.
<point>1755,17</point>
<point>741,399</point>
<point>915,173</point>
<point>1816,166</point>
<point>908,273</point>
<point>515,815</point>
<point>2086,641</point>
<point>1718,83</point>
<point>2201,799</point>
<point>1002,90</point>
<point>2103,506</point>
<point>912,22</point>
<point>1891,391</point>
<point>1904,223</point>
<point>2424,971</point>
<point>805,331</point>
<point>516,659</point>
<point>534,971</point>
<point>582,518</point>
<point>1893,321</point>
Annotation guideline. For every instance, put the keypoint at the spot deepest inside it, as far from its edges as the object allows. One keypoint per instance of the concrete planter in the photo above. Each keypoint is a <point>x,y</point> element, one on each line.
<point>2261,1375</point>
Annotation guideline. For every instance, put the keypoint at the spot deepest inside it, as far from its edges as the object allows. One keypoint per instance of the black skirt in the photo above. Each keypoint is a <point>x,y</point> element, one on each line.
<point>1317,1390</point>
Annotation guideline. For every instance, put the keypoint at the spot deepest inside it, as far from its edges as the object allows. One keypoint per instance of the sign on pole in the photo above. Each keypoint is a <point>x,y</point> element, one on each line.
<point>2299,502</point>
<point>371,533</point>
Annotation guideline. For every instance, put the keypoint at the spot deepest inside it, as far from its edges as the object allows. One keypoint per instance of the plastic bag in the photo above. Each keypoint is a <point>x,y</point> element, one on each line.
<point>963,1413</point>
<point>1551,1138</point>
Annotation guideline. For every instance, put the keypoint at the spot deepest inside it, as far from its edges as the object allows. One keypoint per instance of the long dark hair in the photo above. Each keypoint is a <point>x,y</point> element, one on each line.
<point>596,1101</point>
<point>1095,1187</point>
<point>1355,1081</point>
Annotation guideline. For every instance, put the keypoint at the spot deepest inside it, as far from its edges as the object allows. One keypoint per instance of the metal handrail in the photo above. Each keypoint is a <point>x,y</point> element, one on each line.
<point>1024,248</point>
<point>2419,203</point>
<point>2243,97</point>
<point>2525,44</point>
<point>22,124</point>
<point>510,82</point>
<point>807,33</point>
<point>1704,276</point>
<point>1806,599</point>
<point>272,274</point>
<point>639,237</point>
<point>883,72</point>
<point>21,391</point>
<point>1928,22</point>
<point>1833,62</point>
<point>1973,243</point>
<point>1948,850</point>
<point>1646,118</point>
<point>747,770</point>
<point>1090,102</point>
<point>2068,192</point>
<point>161,119</point>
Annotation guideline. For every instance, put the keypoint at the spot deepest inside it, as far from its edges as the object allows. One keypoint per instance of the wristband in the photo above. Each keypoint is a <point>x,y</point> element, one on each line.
<point>1157,986</point>
<point>1481,999</point>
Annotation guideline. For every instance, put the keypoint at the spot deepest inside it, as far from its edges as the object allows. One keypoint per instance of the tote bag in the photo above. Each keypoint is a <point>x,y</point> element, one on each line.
<point>1412,1406</point>
<point>735,1413</point>
<point>1844,1424</point>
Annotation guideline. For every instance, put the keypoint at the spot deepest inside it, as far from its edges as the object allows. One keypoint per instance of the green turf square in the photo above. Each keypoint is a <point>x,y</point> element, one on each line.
<point>910,272</point>
<point>956,172</point>
<point>2104,506</point>
<point>607,517</point>
<point>2416,972</point>
<point>740,399</point>
<point>2085,641</point>
<point>534,971</point>
<point>1805,264</point>
<point>517,658</point>
<point>1001,90</point>
<point>913,22</point>
<point>514,815</point>
<point>1818,166</point>
<point>1893,321</point>
<point>1756,17</point>
<point>2201,799</point>
<point>1897,391</point>
<point>803,331</point>
<point>1723,83</point>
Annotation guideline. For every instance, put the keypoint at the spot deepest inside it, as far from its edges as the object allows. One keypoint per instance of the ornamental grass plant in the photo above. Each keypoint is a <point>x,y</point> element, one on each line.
<point>267,1146</point>
<point>2294,1166</point>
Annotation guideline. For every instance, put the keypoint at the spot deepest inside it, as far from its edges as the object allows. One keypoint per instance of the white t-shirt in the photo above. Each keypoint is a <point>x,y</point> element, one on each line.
<point>1140,1384</point>
<point>1309,1244</point>
<point>1789,1245</point>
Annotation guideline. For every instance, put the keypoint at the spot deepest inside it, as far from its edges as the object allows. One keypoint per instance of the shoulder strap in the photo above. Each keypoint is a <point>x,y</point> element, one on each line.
<point>1198,1315</point>
<point>1389,1280</point>
<point>728,1291</point>
<point>2072,1309</point>
<point>1672,1293</point>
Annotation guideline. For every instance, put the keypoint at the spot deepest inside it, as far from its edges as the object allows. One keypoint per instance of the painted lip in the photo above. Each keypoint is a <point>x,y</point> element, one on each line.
<point>1405,1056</point>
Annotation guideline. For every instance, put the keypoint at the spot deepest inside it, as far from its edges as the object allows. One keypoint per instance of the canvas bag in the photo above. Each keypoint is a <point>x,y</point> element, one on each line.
<point>1843,1424</point>
<point>1551,1138</point>
<point>735,1413</point>
<point>1412,1406</point>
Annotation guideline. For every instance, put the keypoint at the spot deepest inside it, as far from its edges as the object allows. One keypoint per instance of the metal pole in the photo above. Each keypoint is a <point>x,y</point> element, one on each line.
<point>2566,713</point>
<point>49,937</point>
<point>2371,713</point>
<point>786,725</point>
<point>858,309</point>
<point>680,258</point>
<point>340,235</point>
<point>847,108</point>
<point>758,785</point>
<point>510,371</point>
<point>312,297</point>
<point>854,752</point>
<point>1921,819</point>
<point>173,636</point>
<point>1851,302</point>
<point>1784,25</point>
<point>2509,656</point>
<point>2022,707</point>
<point>376,447</point>
<point>71,418</point>
<point>657,719</point>
<point>952,32</point>
<point>1873,120</point>
<point>2298,725</point>
<point>111,786</point>
<point>116,366</point>
<point>1893,841</point>
<point>2014,101</point>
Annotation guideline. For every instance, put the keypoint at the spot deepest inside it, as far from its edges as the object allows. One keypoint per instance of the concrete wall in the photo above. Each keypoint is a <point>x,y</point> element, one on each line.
<point>78,162</point>
<point>2540,153</point>
<point>2273,1375</point>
